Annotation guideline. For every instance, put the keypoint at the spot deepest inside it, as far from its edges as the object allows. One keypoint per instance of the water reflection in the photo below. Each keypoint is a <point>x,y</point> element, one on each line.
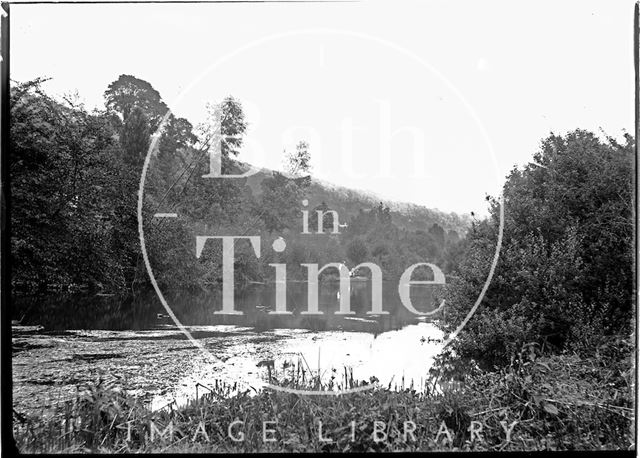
<point>396,359</point>
<point>144,311</point>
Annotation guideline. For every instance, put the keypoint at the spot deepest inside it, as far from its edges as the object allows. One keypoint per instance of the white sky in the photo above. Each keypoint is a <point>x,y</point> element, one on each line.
<point>525,69</point>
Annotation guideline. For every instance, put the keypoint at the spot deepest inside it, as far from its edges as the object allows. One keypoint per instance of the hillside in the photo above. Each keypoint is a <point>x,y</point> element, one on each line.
<point>348,202</point>
<point>90,219</point>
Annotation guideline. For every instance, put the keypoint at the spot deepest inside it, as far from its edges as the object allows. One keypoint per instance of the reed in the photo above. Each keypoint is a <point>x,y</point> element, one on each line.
<point>560,402</point>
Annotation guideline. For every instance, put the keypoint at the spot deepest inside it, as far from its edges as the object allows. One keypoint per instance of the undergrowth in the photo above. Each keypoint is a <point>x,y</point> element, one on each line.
<point>560,402</point>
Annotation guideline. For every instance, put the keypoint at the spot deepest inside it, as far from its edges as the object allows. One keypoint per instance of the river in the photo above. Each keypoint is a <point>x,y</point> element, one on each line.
<point>66,341</point>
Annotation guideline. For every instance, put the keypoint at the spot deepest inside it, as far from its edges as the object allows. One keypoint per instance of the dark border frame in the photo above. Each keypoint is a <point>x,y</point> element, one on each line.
<point>7,443</point>
<point>6,393</point>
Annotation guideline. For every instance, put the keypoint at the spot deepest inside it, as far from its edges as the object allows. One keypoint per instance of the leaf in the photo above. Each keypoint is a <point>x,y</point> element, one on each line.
<point>550,408</point>
<point>543,365</point>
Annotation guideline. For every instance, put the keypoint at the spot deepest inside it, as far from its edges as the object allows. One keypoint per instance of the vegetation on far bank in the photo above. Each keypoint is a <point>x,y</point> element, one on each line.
<point>75,175</point>
<point>549,348</point>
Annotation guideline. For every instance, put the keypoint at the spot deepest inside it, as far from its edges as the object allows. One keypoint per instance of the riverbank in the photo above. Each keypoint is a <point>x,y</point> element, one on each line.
<point>162,366</point>
<point>538,403</point>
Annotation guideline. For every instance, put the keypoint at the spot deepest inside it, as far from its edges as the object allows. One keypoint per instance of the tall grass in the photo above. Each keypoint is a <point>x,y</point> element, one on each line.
<point>563,402</point>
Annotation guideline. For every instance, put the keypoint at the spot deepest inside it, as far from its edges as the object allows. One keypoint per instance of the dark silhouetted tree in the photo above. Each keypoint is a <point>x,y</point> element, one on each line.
<point>128,92</point>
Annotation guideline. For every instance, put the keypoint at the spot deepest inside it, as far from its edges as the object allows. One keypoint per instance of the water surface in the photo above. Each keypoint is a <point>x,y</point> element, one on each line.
<point>66,340</point>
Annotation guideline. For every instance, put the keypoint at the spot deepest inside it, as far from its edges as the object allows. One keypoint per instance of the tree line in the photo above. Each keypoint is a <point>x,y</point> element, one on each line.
<point>564,280</point>
<point>75,175</point>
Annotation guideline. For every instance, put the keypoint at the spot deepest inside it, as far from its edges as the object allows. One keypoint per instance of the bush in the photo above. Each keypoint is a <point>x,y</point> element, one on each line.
<point>565,270</point>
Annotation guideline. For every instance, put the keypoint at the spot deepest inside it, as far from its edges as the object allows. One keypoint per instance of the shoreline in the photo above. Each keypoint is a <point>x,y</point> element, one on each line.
<point>552,411</point>
<point>161,366</point>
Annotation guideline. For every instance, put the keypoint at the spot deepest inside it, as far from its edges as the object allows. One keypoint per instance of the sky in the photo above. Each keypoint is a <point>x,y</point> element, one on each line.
<point>431,102</point>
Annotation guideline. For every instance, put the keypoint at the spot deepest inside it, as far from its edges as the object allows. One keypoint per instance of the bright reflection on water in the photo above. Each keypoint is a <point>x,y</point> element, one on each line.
<point>399,359</point>
<point>396,348</point>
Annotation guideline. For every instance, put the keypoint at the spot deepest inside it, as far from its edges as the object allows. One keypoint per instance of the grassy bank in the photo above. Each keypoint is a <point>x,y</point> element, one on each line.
<point>560,402</point>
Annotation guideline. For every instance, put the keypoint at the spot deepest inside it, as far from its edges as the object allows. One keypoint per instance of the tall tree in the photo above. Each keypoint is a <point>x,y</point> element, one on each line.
<point>298,163</point>
<point>128,92</point>
<point>135,137</point>
<point>225,123</point>
<point>63,174</point>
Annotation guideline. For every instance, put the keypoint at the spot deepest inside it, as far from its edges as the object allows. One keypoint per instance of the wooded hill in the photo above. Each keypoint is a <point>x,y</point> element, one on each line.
<point>74,180</point>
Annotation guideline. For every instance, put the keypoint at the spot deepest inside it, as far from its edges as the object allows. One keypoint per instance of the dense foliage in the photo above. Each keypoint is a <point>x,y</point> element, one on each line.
<point>564,280</point>
<point>75,176</point>
<point>548,403</point>
<point>565,274</point>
